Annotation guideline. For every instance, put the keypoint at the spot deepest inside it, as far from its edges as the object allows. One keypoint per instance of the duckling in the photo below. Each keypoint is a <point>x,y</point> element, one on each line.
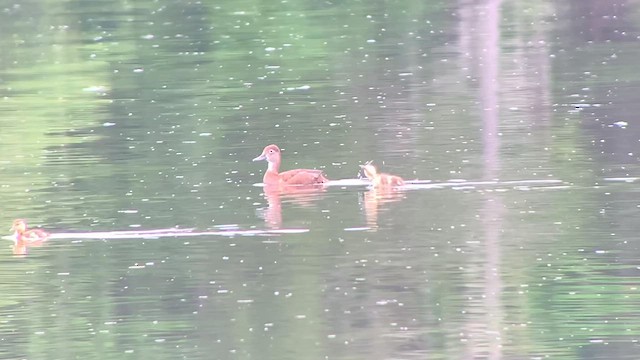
<point>380,180</point>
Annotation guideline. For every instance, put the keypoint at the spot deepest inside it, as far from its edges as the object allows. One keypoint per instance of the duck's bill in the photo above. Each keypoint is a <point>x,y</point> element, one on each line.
<point>261,157</point>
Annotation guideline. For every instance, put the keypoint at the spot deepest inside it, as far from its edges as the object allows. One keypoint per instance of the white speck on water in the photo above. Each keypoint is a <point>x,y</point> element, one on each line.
<point>357,229</point>
<point>160,340</point>
<point>301,316</point>
<point>63,274</point>
<point>108,124</point>
<point>148,37</point>
<point>244,301</point>
<point>269,49</point>
<point>371,41</point>
<point>95,89</point>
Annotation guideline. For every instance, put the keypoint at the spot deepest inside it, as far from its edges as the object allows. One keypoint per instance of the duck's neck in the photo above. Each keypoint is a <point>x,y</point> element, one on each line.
<point>271,176</point>
<point>370,173</point>
<point>273,167</point>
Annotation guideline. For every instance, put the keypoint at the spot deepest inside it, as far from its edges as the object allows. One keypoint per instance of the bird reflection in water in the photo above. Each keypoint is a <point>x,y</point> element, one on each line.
<point>21,247</point>
<point>304,196</point>
<point>375,200</point>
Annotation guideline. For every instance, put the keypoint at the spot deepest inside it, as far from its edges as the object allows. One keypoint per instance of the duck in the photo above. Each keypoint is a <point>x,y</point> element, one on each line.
<point>271,153</point>
<point>380,180</point>
<point>21,233</point>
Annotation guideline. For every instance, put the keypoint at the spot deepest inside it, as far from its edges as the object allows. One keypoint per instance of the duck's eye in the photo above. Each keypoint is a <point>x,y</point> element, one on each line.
<point>271,151</point>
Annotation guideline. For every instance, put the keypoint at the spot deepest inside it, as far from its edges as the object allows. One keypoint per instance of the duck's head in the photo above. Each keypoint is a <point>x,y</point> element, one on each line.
<point>271,153</point>
<point>19,225</point>
<point>368,170</point>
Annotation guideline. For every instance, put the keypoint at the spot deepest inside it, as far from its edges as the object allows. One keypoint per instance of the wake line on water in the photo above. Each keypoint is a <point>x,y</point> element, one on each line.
<point>419,184</point>
<point>622,179</point>
<point>429,184</point>
<point>170,232</point>
<point>232,231</point>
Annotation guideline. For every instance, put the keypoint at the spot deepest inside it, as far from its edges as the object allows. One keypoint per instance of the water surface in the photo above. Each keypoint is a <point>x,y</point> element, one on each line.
<point>514,122</point>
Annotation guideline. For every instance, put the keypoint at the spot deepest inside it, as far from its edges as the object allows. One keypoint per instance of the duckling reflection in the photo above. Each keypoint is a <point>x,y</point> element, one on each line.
<point>385,189</point>
<point>304,196</point>
<point>376,200</point>
<point>21,247</point>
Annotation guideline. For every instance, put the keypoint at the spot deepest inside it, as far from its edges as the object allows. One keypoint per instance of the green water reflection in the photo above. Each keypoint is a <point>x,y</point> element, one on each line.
<point>146,114</point>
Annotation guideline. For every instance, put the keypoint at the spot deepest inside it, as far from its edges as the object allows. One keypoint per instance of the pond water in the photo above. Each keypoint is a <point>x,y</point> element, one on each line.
<point>128,130</point>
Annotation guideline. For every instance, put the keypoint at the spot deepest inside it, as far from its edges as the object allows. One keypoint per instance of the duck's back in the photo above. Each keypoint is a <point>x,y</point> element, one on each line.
<point>389,180</point>
<point>303,177</point>
<point>34,235</point>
